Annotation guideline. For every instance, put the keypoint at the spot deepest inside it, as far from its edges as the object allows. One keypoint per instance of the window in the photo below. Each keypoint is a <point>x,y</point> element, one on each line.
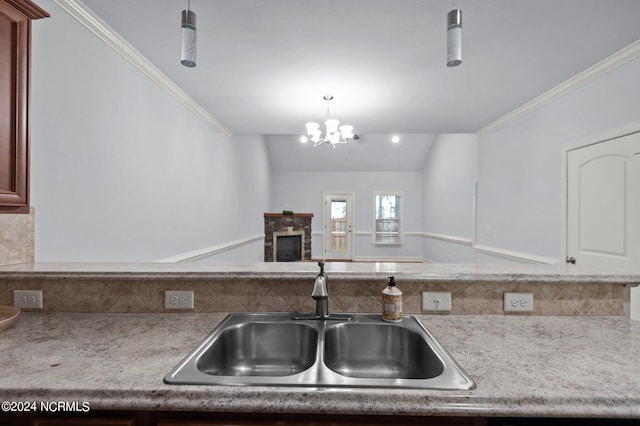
<point>387,218</point>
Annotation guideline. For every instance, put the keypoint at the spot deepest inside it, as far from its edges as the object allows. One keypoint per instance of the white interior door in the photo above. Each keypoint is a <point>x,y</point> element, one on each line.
<point>603,207</point>
<point>338,226</point>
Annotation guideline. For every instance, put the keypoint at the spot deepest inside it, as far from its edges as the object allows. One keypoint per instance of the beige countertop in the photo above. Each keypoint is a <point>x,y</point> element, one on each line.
<point>337,270</point>
<point>523,365</point>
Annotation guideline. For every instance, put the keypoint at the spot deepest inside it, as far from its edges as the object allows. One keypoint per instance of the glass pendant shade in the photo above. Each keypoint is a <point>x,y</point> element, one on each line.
<point>334,138</point>
<point>313,131</point>
<point>188,56</point>
<point>346,131</point>
<point>332,126</point>
<point>454,38</point>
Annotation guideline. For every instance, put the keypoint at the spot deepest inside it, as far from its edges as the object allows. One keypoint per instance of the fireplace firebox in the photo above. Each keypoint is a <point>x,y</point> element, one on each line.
<point>288,248</point>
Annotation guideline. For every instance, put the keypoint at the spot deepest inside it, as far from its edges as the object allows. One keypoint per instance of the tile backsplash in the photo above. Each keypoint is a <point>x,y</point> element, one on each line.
<point>17,238</point>
<point>75,294</point>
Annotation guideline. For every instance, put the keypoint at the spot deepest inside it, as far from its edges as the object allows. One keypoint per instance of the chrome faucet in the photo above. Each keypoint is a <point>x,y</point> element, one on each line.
<point>320,293</point>
<point>321,296</point>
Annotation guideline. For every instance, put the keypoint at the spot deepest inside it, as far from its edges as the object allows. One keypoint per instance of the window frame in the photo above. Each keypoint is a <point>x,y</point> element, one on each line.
<point>400,218</point>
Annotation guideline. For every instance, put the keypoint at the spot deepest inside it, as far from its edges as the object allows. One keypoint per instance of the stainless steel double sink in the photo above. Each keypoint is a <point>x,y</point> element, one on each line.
<point>281,349</point>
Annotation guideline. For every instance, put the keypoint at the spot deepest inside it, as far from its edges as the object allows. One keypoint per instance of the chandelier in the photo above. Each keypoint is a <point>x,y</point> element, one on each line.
<point>334,135</point>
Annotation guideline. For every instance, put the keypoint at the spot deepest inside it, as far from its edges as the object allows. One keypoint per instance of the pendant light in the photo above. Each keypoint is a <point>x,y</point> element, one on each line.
<point>188,57</point>
<point>454,38</point>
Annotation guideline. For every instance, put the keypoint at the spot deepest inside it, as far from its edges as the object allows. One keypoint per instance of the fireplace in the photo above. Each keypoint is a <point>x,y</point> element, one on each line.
<point>288,248</point>
<point>287,238</point>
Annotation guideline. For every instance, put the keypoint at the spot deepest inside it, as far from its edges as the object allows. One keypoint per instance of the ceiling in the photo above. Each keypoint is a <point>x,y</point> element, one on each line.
<point>264,66</point>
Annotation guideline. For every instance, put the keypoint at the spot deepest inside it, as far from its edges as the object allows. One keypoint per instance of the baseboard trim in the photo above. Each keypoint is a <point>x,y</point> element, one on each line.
<point>194,256</point>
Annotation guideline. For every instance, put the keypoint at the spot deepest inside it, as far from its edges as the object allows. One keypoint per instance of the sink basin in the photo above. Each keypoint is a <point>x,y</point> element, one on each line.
<point>374,350</point>
<point>260,349</point>
<point>280,349</point>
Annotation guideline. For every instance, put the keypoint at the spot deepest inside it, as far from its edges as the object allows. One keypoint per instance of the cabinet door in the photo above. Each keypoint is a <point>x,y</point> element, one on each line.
<point>15,30</point>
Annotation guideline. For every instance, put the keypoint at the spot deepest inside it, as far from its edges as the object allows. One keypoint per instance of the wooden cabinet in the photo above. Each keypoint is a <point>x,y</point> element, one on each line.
<point>15,55</point>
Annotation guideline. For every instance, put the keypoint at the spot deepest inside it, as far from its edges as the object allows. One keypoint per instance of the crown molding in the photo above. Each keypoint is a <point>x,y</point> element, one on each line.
<point>603,67</point>
<point>85,16</point>
<point>28,8</point>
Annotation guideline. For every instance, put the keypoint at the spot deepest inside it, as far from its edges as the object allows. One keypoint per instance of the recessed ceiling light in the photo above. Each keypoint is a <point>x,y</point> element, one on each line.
<point>395,139</point>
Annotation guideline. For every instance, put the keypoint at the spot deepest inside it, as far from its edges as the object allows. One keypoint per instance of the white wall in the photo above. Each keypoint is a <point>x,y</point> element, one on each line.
<point>519,165</point>
<point>303,192</point>
<point>120,170</point>
<point>449,185</point>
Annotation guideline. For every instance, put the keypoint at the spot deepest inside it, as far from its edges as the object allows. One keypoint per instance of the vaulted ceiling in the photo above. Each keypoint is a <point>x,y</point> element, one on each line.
<point>264,66</point>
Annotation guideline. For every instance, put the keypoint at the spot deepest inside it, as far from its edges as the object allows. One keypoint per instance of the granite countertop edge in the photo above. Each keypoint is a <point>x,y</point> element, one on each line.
<point>299,400</point>
<point>418,272</point>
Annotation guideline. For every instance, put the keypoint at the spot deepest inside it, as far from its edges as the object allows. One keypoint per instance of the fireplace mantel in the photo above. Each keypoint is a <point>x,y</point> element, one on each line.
<point>309,215</point>
<point>278,224</point>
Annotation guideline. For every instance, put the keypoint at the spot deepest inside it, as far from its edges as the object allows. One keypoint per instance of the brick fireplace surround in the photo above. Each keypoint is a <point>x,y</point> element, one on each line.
<point>278,224</point>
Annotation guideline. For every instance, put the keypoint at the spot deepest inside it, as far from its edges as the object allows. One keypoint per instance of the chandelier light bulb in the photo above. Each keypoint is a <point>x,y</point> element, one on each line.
<point>454,38</point>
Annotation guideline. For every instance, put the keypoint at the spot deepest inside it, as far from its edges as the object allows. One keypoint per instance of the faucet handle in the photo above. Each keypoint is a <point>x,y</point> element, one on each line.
<point>320,288</point>
<point>321,265</point>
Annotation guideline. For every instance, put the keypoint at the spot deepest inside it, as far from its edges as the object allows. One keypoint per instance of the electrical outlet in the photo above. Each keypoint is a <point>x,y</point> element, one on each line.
<point>518,302</point>
<point>436,301</point>
<point>27,299</point>
<point>178,299</point>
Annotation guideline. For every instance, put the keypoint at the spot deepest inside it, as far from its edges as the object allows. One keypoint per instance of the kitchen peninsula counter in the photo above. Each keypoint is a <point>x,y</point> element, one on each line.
<point>360,271</point>
<point>524,366</point>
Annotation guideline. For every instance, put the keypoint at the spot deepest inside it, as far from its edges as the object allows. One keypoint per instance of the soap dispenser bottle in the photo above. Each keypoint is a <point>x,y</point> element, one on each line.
<point>392,302</point>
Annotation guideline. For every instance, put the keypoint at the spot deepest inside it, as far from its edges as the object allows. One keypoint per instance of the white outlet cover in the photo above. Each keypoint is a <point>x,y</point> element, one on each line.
<point>178,299</point>
<point>27,299</point>
<point>436,301</point>
<point>518,302</point>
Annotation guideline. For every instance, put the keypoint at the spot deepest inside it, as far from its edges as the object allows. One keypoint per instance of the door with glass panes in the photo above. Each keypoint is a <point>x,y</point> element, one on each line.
<point>338,226</point>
